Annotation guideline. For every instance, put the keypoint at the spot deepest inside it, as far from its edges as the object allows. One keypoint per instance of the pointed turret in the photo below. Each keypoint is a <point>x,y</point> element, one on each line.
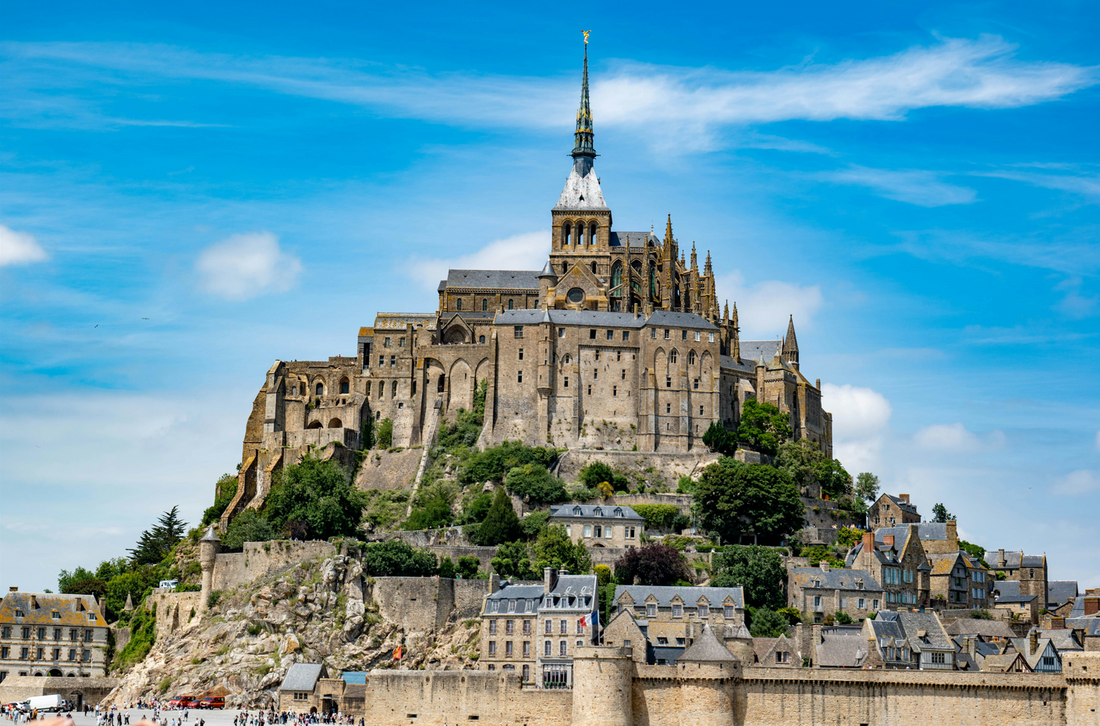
<point>790,345</point>
<point>668,253</point>
<point>583,150</point>
<point>694,259</point>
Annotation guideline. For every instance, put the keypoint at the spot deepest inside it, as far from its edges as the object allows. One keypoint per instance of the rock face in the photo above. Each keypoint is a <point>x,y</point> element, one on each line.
<point>321,610</point>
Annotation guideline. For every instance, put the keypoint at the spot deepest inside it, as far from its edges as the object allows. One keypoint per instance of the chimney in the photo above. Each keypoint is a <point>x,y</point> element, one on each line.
<point>868,541</point>
<point>972,646</point>
<point>1033,642</point>
<point>1092,605</point>
<point>549,578</point>
<point>904,498</point>
<point>952,535</point>
<point>815,635</point>
<point>888,540</point>
<point>13,588</point>
<point>494,583</point>
<point>34,602</point>
<point>824,566</point>
<point>1058,623</point>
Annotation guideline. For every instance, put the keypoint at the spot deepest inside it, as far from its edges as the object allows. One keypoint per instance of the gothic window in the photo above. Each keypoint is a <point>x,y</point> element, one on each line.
<point>673,357</point>
<point>481,338</point>
<point>617,276</point>
<point>637,265</point>
<point>592,233</point>
<point>393,390</point>
<point>652,283</point>
<point>510,304</point>
<point>345,386</point>
<point>593,268</point>
<point>484,304</point>
<point>320,389</point>
<point>458,304</point>
<point>691,358</point>
<point>566,230</point>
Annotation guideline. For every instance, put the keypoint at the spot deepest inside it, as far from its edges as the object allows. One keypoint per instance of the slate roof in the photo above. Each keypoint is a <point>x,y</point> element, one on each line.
<point>690,595</point>
<point>762,646</point>
<point>1023,646</point>
<point>984,628</point>
<point>582,192</point>
<point>842,648</point>
<point>595,511</point>
<point>1000,663</point>
<point>834,579</point>
<point>883,629</point>
<point>1013,560</point>
<point>1090,624</point>
<point>707,649</point>
<point>755,350</point>
<point>943,564</point>
<point>1061,591</point>
<point>570,317</point>
<point>38,609</point>
<point>303,676</point>
<point>679,320</point>
<point>1014,599</point>
<point>1007,588</point>
<point>531,597</point>
<point>1062,638</point>
<point>925,530</point>
<point>906,506</point>
<point>634,239</point>
<point>668,653</point>
<point>936,638</point>
<point>747,364</point>
<point>494,279</point>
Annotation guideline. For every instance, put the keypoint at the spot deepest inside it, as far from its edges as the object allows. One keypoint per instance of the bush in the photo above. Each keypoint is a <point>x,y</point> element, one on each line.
<point>658,516</point>
<point>581,493</point>
<point>686,485</point>
<point>313,499</point>
<point>849,536</point>
<point>143,633</point>
<point>793,616</point>
<point>733,498</point>
<point>447,568</point>
<point>467,567</point>
<point>383,435</point>
<point>476,506</point>
<point>594,473</point>
<point>768,624</point>
<point>396,558</point>
<point>248,526</point>
<point>533,524</point>
<point>719,440</point>
<point>758,569</point>
<point>842,618</point>
<point>536,484</point>
<point>494,463</point>
<point>514,560</point>
<point>817,553</point>
<point>652,564</point>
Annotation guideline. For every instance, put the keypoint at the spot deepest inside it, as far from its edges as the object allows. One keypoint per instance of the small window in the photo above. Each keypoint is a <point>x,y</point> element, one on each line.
<point>566,383</point>
<point>561,332</point>
<point>697,336</point>
<point>668,382</point>
<point>710,337</point>
<point>519,376</point>
<point>481,338</point>
<point>386,343</point>
<point>666,333</point>
<point>518,331</point>
<point>521,353</point>
<point>611,335</point>
<point>510,304</point>
<point>484,304</point>
<point>677,610</point>
<point>668,408</point>
<point>624,374</point>
<point>700,410</point>
<point>589,389</point>
<point>653,332</point>
<point>651,610</point>
<point>345,387</point>
<point>393,361</point>
<point>683,335</point>
<point>591,334</point>
<point>626,335</point>
<point>458,305</point>
<point>727,612</point>
<point>614,390</point>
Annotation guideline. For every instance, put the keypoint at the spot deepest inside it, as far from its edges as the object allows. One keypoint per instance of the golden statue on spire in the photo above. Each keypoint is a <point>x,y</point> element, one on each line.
<point>586,32</point>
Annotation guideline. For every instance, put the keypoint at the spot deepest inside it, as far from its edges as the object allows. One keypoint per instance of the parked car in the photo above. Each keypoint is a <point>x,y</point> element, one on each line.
<point>180,702</point>
<point>212,702</point>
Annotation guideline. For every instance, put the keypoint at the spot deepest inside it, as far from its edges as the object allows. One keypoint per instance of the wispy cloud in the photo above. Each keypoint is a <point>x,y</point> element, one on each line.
<point>955,438</point>
<point>525,251</point>
<point>913,186</point>
<point>1083,481</point>
<point>1074,303</point>
<point>243,266</point>
<point>1072,252</point>
<point>764,307</point>
<point>974,73</point>
<point>19,248</point>
<point>1083,185</point>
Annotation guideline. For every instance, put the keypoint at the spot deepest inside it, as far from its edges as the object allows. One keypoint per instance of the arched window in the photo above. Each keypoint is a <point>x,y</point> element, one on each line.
<point>592,233</point>
<point>484,304</point>
<point>481,338</point>
<point>335,424</point>
<point>652,282</point>
<point>368,389</point>
<point>510,304</point>
<point>566,230</point>
<point>458,304</point>
<point>320,389</point>
<point>593,268</point>
<point>691,358</point>
<point>617,276</point>
<point>345,386</point>
<point>672,357</point>
<point>393,390</point>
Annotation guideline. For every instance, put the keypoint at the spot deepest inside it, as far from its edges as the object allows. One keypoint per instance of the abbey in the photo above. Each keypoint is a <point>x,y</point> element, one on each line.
<point>618,342</point>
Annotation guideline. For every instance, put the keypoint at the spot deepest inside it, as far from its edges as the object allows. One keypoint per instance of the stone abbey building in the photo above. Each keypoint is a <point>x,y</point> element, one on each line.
<point>619,343</point>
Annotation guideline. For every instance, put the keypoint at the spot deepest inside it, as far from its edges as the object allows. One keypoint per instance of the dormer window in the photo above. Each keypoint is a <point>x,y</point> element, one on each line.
<point>55,615</point>
<point>598,512</point>
<point>619,512</point>
<point>19,613</point>
<point>576,511</point>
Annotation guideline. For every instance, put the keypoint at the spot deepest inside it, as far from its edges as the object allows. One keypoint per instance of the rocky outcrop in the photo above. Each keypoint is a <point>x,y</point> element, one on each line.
<point>324,609</point>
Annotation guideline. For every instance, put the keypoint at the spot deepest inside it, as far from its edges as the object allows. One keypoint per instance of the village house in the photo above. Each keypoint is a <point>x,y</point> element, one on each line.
<point>1029,570</point>
<point>1040,653</point>
<point>600,526</point>
<point>671,616</point>
<point>45,634</point>
<point>957,580</point>
<point>930,646</point>
<point>896,559</point>
<point>889,511</point>
<point>822,591</point>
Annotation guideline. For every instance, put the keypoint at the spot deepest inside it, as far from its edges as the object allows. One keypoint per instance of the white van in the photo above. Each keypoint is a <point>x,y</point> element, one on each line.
<point>45,703</point>
<point>169,583</point>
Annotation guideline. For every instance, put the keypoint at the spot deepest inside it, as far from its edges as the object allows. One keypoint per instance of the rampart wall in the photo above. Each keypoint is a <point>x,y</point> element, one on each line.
<point>426,603</point>
<point>260,559</point>
<point>671,465</point>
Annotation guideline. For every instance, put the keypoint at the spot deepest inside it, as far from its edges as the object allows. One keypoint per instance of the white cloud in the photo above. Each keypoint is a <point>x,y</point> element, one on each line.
<point>1081,185</point>
<point>526,251</point>
<point>1083,481</point>
<point>860,420</point>
<point>243,266</point>
<point>956,438</point>
<point>764,308</point>
<point>912,186</point>
<point>19,248</point>
<point>677,103</point>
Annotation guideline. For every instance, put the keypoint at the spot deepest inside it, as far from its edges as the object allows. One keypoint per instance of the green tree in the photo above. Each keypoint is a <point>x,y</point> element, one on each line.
<point>597,472</point>
<point>534,523</point>
<point>768,623</point>
<point>817,553</point>
<point>807,465</point>
<point>553,548</point>
<point>475,508</point>
<point>975,551</point>
<point>719,440</point>
<point>224,491</point>
<point>842,618</point>
<point>793,616</point>
<point>157,543</point>
<point>867,487</point>
<point>733,498</point>
<point>467,567</point>
<point>501,523</point>
<point>80,582</point>
<point>849,536</point>
<point>447,568</point>
<point>513,560</point>
<point>940,513</point>
<point>659,517</point>
<point>430,512</point>
<point>314,500</point>
<point>383,436</point>
<point>536,484</point>
<point>759,570</point>
<point>395,558</point>
<point>248,526</point>
<point>763,427</point>
<point>495,462</point>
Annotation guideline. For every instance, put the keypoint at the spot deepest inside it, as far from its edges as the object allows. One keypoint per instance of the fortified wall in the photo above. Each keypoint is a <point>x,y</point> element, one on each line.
<point>612,690</point>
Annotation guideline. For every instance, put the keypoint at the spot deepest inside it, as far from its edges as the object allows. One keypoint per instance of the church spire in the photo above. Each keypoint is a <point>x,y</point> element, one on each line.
<point>790,345</point>
<point>583,150</point>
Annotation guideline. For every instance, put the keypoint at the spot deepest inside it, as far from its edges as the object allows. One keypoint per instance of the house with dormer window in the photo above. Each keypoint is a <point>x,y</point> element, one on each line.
<point>822,591</point>
<point>673,616</point>
<point>600,525</point>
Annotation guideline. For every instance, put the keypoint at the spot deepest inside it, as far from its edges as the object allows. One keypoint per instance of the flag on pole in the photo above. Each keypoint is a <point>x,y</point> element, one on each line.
<point>591,620</point>
<point>397,653</point>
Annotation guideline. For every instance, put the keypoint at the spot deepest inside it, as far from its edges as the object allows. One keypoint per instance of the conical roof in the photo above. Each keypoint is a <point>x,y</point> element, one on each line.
<point>707,649</point>
<point>548,270</point>
<point>210,536</point>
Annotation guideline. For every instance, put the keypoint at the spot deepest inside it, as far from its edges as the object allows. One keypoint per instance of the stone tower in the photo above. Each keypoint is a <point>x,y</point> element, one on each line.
<point>708,676</point>
<point>603,679</point>
<point>208,557</point>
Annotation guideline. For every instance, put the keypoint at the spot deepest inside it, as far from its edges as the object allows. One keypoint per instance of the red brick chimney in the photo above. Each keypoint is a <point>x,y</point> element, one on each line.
<point>868,541</point>
<point>904,498</point>
<point>1092,605</point>
<point>888,540</point>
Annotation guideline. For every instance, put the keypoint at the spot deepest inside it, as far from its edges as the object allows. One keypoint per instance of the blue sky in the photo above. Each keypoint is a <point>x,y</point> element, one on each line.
<point>190,192</point>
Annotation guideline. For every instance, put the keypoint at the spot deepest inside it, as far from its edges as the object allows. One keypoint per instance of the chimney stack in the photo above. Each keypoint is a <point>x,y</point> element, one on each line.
<point>1058,623</point>
<point>888,540</point>
<point>13,588</point>
<point>494,583</point>
<point>1001,557</point>
<point>953,535</point>
<point>1033,642</point>
<point>1092,605</point>
<point>904,498</point>
<point>549,578</point>
<point>824,566</point>
<point>868,541</point>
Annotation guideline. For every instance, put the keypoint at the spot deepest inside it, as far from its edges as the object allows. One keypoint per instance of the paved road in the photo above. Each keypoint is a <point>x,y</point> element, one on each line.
<point>212,717</point>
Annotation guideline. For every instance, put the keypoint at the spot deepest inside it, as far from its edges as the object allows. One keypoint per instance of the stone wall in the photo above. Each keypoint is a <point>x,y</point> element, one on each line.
<point>388,469</point>
<point>90,690</point>
<point>260,559</point>
<point>434,698</point>
<point>671,465</point>
<point>174,610</point>
<point>426,604</point>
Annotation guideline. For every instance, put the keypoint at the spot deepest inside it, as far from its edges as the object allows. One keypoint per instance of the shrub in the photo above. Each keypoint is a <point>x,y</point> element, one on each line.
<point>849,536</point>
<point>686,485</point>
<point>383,434</point>
<point>793,616</point>
<point>447,568</point>
<point>581,493</point>
<point>536,484</point>
<point>652,564</point>
<point>842,618</point>
<point>396,558</point>
<point>533,524</point>
<point>594,473</point>
<point>817,553</point>
<point>143,633</point>
<point>767,624</point>
<point>248,526</point>
<point>494,463</point>
<point>467,567</point>
<point>224,491</point>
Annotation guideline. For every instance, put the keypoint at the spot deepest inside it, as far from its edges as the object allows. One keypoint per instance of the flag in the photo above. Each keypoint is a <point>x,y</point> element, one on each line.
<point>590,620</point>
<point>397,653</point>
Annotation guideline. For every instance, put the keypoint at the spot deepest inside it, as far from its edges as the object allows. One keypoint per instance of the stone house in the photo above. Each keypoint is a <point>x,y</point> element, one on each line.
<point>930,646</point>
<point>1017,608</point>
<point>889,511</point>
<point>624,631</point>
<point>821,591</point>
<point>1005,663</point>
<point>533,629</point>
<point>957,580</point>
<point>1040,653</point>
<point>672,617</point>
<point>938,538</point>
<point>778,652</point>
<point>896,559</point>
<point>890,647</point>
<point>1060,592</point>
<point>600,525</point>
<point>1029,570</point>
<point>46,634</point>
